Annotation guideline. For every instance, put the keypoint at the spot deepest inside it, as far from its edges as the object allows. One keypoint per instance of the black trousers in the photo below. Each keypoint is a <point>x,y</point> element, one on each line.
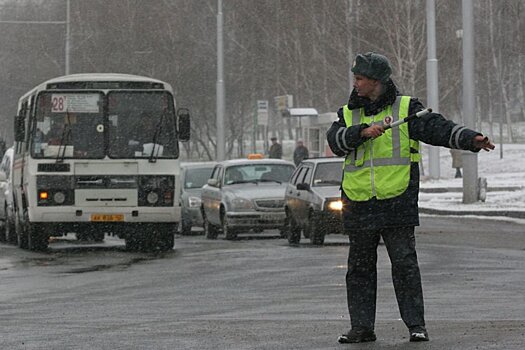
<point>361,278</point>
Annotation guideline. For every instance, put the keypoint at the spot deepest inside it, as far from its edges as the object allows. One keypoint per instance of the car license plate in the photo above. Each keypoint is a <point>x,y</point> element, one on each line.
<point>107,217</point>
<point>268,217</point>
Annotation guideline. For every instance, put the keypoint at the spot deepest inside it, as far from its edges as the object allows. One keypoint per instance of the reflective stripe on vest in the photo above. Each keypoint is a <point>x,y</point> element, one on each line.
<point>380,167</point>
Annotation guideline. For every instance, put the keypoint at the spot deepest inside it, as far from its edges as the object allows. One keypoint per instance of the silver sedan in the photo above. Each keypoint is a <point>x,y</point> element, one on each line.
<point>245,194</point>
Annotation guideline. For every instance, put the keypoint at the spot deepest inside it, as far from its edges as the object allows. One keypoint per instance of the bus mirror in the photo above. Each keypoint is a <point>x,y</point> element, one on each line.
<point>184,124</point>
<point>19,128</point>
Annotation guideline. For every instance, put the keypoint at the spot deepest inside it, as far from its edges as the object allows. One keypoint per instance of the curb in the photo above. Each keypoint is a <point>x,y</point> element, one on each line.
<point>493,213</point>
<point>460,189</point>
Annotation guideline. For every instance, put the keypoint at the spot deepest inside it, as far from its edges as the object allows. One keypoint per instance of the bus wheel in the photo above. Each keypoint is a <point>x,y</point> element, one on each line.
<point>132,243</point>
<point>21,234</point>
<point>10,231</point>
<point>151,237</point>
<point>164,237</point>
<point>90,234</point>
<point>98,236</point>
<point>37,238</point>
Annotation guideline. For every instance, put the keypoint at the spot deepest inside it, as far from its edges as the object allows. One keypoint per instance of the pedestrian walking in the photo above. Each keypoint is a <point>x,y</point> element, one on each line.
<point>380,190</point>
<point>300,153</point>
<point>276,150</point>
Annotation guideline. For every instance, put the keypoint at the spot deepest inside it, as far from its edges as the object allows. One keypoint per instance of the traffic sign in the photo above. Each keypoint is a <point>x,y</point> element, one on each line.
<point>283,102</point>
<point>262,112</point>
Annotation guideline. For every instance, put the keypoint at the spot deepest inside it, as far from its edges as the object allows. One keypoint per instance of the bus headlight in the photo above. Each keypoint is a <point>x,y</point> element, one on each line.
<point>152,197</point>
<point>156,190</point>
<point>54,190</point>
<point>59,197</point>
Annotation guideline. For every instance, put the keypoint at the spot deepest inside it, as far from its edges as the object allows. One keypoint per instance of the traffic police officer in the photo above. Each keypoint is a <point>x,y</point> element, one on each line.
<point>380,190</point>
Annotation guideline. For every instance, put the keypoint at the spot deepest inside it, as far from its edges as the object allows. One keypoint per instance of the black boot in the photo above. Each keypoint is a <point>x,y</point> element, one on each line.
<point>418,333</point>
<point>357,335</point>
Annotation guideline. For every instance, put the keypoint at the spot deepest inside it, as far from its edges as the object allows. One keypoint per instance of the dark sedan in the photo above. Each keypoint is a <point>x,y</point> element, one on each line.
<point>313,200</point>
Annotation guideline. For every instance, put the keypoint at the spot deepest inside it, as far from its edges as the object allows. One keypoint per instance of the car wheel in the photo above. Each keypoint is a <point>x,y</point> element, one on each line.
<point>283,231</point>
<point>210,231</point>
<point>229,233</point>
<point>294,234</point>
<point>185,227</point>
<point>316,230</point>
<point>307,231</point>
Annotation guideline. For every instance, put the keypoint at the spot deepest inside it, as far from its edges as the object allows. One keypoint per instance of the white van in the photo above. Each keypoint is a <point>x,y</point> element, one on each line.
<point>96,154</point>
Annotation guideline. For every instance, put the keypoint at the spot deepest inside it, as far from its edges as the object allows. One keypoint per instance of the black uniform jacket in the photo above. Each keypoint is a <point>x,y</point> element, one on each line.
<point>432,128</point>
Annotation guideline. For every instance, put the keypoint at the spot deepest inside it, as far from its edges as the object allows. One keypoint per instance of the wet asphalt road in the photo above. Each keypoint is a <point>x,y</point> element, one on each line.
<point>259,293</point>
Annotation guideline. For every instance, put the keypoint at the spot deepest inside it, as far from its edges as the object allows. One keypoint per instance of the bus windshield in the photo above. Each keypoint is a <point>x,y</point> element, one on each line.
<point>69,125</point>
<point>141,125</point>
<point>138,124</point>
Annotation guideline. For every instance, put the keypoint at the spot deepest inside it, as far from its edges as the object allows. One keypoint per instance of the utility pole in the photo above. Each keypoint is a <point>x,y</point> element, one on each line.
<point>220,85</point>
<point>470,159</point>
<point>67,37</point>
<point>432,84</point>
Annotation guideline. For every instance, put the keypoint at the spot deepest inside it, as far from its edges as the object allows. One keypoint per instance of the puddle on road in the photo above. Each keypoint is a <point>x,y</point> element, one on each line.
<point>68,257</point>
<point>121,265</point>
<point>118,266</point>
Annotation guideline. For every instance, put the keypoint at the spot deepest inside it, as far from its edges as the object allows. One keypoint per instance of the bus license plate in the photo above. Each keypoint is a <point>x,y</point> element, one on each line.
<point>107,217</point>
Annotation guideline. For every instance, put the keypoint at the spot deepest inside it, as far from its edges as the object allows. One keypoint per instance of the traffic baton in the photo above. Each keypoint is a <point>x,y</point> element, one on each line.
<point>409,118</point>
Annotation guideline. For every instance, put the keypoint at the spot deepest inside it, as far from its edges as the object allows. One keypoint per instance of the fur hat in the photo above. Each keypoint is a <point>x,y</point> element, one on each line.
<point>373,66</point>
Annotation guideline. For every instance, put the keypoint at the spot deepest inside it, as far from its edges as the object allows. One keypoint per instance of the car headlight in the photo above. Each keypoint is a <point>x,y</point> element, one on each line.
<point>336,205</point>
<point>241,204</point>
<point>194,202</point>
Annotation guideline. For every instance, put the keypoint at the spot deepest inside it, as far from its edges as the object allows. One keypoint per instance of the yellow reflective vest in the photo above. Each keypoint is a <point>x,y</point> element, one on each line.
<point>380,167</point>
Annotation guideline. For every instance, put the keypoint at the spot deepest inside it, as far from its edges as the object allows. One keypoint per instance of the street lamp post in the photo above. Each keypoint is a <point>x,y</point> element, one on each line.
<point>66,70</point>
<point>220,85</point>
<point>432,83</point>
<point>470,159</point>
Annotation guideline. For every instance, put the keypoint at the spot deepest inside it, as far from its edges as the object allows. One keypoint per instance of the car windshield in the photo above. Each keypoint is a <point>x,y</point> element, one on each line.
<point>197,177</point>
<point>328,174</point>
<point>68,125</point>
<point>141,125</point>
<point>256,173</point>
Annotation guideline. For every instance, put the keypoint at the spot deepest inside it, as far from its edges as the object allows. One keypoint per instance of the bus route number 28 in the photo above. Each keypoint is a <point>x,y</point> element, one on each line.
<point>59,103</point>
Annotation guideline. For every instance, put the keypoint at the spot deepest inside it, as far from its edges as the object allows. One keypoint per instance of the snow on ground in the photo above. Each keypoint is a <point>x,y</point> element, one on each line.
<point>508,172</point>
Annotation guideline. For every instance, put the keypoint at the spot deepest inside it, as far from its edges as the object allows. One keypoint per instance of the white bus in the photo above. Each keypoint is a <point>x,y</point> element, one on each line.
<point>96,154</point>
